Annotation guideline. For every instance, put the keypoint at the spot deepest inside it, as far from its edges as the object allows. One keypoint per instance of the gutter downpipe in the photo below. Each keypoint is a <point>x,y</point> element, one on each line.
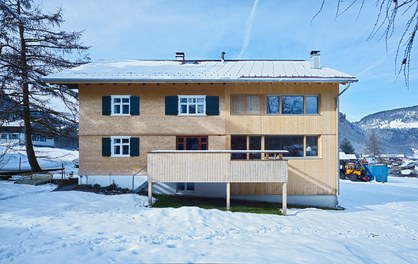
<point>337,138</point>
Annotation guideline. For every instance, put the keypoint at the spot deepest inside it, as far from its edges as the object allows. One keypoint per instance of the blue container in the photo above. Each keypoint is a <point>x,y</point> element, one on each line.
<point>377,172</point>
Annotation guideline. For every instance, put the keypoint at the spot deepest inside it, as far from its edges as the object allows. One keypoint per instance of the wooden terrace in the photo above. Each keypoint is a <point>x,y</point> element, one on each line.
<point>216,166</point>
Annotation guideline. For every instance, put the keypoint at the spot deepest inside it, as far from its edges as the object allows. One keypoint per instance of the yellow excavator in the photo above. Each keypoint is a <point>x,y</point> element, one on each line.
<point>353,172</point>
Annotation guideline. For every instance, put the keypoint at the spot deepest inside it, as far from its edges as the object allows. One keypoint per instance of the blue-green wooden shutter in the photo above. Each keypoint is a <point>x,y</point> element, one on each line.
<point>106,105</point>
<point>106,147</point>
<point>171,105</point>
<point>134,101</point>
<point>212,105</point>
<point>134,147</point>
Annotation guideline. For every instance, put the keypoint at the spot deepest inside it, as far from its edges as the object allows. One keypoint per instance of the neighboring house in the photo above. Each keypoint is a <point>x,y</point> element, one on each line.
<point>12,134</point>
<point>130,109</point>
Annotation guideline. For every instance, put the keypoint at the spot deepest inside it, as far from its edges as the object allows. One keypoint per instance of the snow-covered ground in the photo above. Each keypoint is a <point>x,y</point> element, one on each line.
<point>379,225</point>
<point>48,158</point>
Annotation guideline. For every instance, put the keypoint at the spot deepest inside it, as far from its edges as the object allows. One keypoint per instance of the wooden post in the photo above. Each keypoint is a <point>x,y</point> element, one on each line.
<point>228,196</point>
<point>149,192</point>
<point>284,198</point>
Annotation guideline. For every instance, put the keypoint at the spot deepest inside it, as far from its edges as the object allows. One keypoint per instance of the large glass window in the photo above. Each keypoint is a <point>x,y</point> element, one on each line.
<point>273,104</point>
<point>120,104</point>
<point>192,104</point>
<point>245,104</point>
<point>255,144</point>
<point>311,104</point>
<point>120,146</point>
<point>238,143</point>
<point>292,105</point>
<point>293,144</point>
<point>311,146</point>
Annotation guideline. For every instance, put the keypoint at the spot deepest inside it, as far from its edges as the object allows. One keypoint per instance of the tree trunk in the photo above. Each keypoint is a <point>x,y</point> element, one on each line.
<point>34,166</point>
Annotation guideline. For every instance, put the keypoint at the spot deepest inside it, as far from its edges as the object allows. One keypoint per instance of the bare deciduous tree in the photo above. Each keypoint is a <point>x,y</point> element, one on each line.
<point>373,144</point>
<point>32,46</point>
<point>384,25</point>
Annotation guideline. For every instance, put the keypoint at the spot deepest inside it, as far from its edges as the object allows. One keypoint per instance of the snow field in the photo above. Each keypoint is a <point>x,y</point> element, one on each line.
<point>378,226</point>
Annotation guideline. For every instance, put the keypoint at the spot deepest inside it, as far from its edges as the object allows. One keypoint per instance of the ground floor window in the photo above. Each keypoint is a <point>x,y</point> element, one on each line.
<point>120,146</point>
<point>185,186</point>
<point>192,143</point>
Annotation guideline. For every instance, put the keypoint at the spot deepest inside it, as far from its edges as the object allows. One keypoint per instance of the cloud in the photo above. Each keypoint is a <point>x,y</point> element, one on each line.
<point>248,30</point>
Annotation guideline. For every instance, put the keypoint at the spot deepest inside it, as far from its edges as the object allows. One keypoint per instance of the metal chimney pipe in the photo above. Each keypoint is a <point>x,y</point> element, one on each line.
<point>222,56</point>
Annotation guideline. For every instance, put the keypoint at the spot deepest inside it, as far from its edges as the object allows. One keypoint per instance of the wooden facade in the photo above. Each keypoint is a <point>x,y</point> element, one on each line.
<point>306,175</point>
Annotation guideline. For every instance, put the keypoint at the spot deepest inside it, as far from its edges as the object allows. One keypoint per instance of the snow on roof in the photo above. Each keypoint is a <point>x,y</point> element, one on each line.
<point>344,156</point>
<point>198,71</point>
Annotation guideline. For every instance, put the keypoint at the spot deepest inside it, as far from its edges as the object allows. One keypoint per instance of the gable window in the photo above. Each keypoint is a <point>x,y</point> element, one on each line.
<point>120,105</point>
<point>120,146</point>
<point>192,104</point>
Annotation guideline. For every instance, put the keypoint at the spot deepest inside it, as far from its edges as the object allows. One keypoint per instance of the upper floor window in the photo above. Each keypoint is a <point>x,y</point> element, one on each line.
<point>292,104</point>
<point>192,105</point>
<point>245,104</point>
<point>120,105</point>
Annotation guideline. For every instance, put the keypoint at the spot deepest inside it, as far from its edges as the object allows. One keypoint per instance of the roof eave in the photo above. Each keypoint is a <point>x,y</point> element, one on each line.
<point>240,80</point>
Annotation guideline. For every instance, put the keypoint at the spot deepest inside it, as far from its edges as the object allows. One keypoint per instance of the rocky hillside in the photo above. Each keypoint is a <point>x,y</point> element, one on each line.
<point>397,128</point>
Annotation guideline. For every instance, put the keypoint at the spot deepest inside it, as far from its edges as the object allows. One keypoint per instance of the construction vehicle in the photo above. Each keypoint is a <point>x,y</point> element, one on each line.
<point>353,171</point>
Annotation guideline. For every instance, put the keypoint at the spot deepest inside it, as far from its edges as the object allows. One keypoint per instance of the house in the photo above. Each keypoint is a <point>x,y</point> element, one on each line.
<point>12,133</point>
<point>211,127</point>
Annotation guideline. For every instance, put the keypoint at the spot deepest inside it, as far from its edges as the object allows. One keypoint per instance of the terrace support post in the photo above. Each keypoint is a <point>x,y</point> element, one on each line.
<point>228,196</point>
<point>284,198</point>
<point>149,192</point>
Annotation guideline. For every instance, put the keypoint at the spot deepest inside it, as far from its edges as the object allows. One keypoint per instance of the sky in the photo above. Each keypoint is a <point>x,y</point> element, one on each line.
<point>251,29</point>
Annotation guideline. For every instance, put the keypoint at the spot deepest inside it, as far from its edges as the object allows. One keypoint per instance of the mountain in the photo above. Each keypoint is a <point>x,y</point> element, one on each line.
<point>396,128</point>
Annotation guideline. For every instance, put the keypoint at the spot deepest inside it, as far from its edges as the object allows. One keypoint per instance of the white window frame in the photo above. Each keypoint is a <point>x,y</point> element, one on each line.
<point>112,146</point>
<point>121,97</point>
<point>188,104</point>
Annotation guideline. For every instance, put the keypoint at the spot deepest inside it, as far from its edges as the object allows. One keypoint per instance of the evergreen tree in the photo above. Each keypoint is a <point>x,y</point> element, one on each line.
<point>346,147</point>
<point>32,46</point>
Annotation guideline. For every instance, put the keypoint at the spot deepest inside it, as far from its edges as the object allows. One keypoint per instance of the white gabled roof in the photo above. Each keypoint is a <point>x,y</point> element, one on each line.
<point>132,71</point>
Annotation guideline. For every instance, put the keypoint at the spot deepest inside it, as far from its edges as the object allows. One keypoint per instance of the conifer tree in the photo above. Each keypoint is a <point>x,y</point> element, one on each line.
<point>32,46</point>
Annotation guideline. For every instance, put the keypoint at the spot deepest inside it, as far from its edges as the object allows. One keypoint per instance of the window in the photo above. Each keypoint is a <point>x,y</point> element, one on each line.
<point>192,143</point>
<point>42,138</point>
<point>238,143</point>
<point>14,136</point>
<point>292,105</point>
<point>273,104</point>
<point>311,146</point>
<point>293,144</point>
<point>3,136</point>
<point>192,105</point>
<point>120,146</point>
<point>120,105</point>
<point>185,186</point>
<point>311,104</point>
<point>245,104</point>
<point>35,138</point>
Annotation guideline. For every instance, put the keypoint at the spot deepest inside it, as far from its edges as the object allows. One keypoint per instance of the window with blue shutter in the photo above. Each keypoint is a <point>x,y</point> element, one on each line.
<point>171,105</point>
<point>106,105</point>
<point>106,147</point>
<point>212,105</point>
<point>134,105</point>
<point>134,147</point>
